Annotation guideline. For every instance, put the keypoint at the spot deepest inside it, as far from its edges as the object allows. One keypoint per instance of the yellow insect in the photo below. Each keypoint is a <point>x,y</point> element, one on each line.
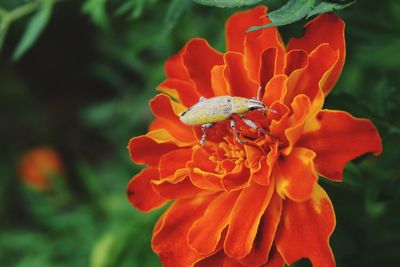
<point>207,112</point>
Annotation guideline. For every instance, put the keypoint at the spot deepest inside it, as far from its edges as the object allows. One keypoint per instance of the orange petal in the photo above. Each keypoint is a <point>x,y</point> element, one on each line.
<point>275,90</point>
<point>338,138</point>
<point>199,58</point>
<point>326,28</point>
<point>259,41</point>
<point>229,262</point>
<point>308,80</point>
<point>144,150</point>
<point>259,254</point>
<point>295,174</point>
<point>172,161</point>
<point>305,230</point>
<point>239,23</point>
<point>245,219</point>
<point>301,107</point>
<point>253,155</point>
<point>268,65</point>
<point>203,173</point>
<point>166,111</point>
<point>278,121</point>
<point>275,259</point>
<point>238,178</point>
<point>216,260</point>
<point>182,188</point>
<point>218,81</point>
<point>141,193</point>
<point>261,174</point>
<point>185,91</point>
<point>239,83</point>
<point>295,59</point>
<point>170,236</point>
<point>206,232</point>
<point>175,69</point>
<point>161,135</point>
<point>205,180</point>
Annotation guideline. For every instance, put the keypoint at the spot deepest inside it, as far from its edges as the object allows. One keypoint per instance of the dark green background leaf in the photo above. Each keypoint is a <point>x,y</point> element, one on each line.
<point>174,12</point>
<point>227,3</point>
<point>96,9</point>
<point>35,27</point>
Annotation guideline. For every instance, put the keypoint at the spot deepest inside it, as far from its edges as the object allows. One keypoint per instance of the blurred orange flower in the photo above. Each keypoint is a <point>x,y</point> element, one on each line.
<point>38,166</point>
<point>257,204</point>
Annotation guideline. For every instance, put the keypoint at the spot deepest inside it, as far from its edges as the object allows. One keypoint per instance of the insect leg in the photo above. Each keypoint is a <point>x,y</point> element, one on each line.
<point>233,126</point>
<point>203,129</point>
<point>260,93</point>
<point>252,125</point>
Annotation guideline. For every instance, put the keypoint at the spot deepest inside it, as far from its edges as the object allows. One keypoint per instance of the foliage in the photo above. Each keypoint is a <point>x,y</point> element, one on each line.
<point>295,10</point>
<point>81,84</point>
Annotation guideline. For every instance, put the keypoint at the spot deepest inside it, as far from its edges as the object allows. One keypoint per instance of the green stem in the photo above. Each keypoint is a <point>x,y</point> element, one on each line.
<point>22,11</point>
<point>3,12</point>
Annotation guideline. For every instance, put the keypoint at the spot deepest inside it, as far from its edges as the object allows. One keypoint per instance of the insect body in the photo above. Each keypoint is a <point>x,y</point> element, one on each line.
<point>207,112</point>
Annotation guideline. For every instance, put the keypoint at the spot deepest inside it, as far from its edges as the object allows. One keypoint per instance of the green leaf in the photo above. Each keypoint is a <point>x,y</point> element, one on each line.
<point>96,9</point>
<point>293,11</point>
<point>227,3</point>
<point>35,27</point>
<point>325,7</point>
<point>175,11</point>
<point>3,32</point>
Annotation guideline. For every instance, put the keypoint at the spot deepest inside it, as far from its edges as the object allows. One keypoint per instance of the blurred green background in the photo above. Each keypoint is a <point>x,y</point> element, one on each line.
<point>82,86</point>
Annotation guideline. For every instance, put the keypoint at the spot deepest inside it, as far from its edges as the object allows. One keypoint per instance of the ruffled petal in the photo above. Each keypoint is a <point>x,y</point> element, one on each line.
<point>295,175</point>
<point>268,67</point>
<point>278,121</point>
<point>182,188</point>
<point>175,69</point>
<point>295,59</point>
<point>170,236</point>
<point>263,242</point>
<point>301,107</point>
<point>202,172</point>
<point>145,150</point>
<point>245,220</point>
<point>259,41</point>
<point>253,44</point>
<point>275,90</point>
<point>337,137</point>
<point>326,28</point>
<point>184,91</point>
<point>230,262</point>
<point>239,23</point>
<point>262,172</point>
<point>140,191</point>
<point>216,260</point>
<point>238,178</point>
<point>305,230</point>
<point>206,232</point>
<point>172,161</point>
<point>239,83</point>
<point>205,180</point>
<point>311,78</point>
<point>166,111</point>
<point>218,81</point>
<point>199,58</point>
<point>275,259</point>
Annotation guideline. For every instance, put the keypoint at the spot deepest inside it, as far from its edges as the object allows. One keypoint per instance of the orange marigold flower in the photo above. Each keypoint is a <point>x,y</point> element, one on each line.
<point>257,204</point>
<point>38,166</point>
